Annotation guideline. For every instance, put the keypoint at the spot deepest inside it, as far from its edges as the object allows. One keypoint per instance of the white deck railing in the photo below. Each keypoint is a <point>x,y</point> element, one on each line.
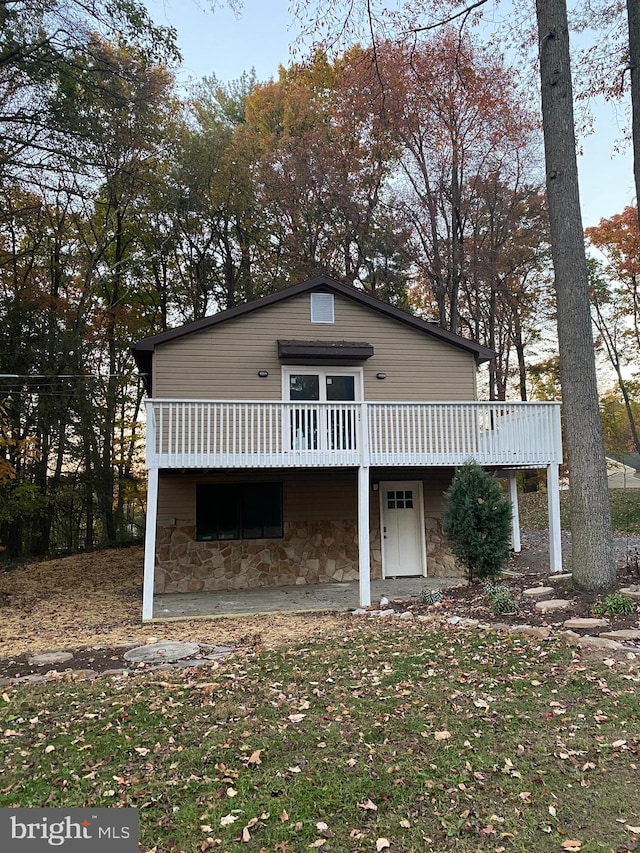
<point>258,434</point>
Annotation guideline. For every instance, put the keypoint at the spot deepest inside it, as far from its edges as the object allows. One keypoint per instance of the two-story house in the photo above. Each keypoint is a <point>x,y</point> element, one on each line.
<point>308,436</point>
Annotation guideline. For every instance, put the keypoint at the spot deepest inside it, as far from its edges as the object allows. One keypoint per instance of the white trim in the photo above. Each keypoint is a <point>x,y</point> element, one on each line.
<point>553,503</point>
<point>322,308</point>
<point>397,484</point>
<point>364,558</point>
<point>322,371</point>
<point>150,545</point>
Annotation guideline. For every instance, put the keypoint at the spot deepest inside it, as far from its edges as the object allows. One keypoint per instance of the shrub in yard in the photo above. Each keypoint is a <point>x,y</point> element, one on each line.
<point>477,521</point>
<point>500,598</point>
<point>615,604</point>
<point>430,596</point>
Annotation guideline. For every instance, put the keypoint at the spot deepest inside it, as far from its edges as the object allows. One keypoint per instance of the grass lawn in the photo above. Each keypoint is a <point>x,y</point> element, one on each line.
<point>387,737</point>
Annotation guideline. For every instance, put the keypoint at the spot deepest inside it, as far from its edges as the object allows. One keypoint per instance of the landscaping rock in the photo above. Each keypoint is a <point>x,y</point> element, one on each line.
<point>360,611</point>
<point>539,592</point>
<point>586,624</point>
<point>219,652</point>
<point>407,616</point>
<point>531,631</point>
<point>114,673</point>
<point>49,658</point>
<point>599,643</point>
<point>562,576</point>
<point>386,614</point>
<point>553,604</point>
<point>632,591</point>
<point>164,651</point>
<point>570,637</point>
<point>622,634</point>
<point>383,602</point>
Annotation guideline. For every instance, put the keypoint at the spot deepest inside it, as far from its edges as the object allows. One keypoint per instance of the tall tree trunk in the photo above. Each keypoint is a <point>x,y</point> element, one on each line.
<point>592,546</point>
<point>633,17</point>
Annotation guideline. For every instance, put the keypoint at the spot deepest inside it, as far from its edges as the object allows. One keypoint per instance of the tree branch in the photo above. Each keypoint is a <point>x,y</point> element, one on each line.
<point>465,12</point>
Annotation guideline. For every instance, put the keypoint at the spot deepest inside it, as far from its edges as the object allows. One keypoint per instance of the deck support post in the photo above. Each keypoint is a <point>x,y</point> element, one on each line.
<point>364,562</point>
<point>150,545</point>
<point>553,502</point>
<point>515,512</point>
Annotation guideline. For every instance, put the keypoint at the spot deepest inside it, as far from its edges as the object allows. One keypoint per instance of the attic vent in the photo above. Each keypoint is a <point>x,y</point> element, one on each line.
<point>322,308</point>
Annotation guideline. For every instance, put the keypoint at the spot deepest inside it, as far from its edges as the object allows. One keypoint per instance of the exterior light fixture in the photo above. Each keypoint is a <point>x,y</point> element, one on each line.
<point>263,374</point>
<point>381,375</point>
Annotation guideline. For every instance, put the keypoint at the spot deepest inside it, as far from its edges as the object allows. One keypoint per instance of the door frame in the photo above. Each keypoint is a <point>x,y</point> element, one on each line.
<point>323,370</point>
<point>397,484</point>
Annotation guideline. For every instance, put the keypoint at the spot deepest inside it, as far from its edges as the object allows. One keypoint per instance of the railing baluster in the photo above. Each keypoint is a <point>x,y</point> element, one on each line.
<point>227,434</point>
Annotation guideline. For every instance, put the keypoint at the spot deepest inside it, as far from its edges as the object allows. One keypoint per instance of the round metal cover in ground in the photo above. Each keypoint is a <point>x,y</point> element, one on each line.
<point>162,652</point>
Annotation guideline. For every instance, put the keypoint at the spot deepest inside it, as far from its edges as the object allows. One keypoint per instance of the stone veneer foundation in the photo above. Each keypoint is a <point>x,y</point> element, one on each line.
<point>310,552</point>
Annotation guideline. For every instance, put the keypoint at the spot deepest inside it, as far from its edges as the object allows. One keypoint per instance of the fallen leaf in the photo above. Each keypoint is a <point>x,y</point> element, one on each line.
<point>442,735</point>
<point>571,844</point>
<point>49,748</point>
<point>228,819</point>
<point>284,817</point>
<point>552,811</point>
<point>634,829</point>
<point>231,792</point>
<point>255,757</point>
<point>319,842</point>
<point>296,718</point>
<point>404,823</point>
<point>382,844</point>
<point>246,835</point>
<point>368,805</point>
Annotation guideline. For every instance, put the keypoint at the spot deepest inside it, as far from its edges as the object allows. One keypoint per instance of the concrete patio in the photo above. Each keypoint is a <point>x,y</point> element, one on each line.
<point>289,599</point>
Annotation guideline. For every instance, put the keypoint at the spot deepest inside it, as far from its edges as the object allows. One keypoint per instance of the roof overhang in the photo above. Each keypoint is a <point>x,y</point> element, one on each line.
<point>325,350</point>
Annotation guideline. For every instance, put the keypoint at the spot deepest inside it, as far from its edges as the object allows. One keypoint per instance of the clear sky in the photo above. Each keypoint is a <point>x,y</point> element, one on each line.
<point>260,37</point>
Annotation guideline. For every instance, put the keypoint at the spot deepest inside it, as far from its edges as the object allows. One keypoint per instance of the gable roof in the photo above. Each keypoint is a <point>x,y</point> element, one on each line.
<point>143,349</point>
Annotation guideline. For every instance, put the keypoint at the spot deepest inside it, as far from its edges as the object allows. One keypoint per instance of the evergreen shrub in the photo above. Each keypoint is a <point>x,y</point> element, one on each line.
<point>477,521</point>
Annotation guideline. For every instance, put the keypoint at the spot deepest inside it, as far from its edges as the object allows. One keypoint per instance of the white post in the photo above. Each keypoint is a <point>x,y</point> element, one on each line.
<point>364,564</point>
<point>515,513</point>
<point>150,545</point>
<point>364,561</point>
<point>553,501</point>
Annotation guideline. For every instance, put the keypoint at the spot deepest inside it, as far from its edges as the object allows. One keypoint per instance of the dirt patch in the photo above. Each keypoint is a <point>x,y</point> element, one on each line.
<point>91,604</point>
<point>95,601</point>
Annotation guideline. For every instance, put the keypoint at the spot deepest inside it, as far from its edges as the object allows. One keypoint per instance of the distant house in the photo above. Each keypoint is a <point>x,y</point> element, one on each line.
<point>625,474</point>
<point>308,436</point>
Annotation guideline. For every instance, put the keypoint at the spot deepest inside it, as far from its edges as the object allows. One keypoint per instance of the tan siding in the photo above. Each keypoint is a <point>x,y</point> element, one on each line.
<point>308,496</point>
<point>435,482</point>
<point>326,495</point>
<point>223,362</point>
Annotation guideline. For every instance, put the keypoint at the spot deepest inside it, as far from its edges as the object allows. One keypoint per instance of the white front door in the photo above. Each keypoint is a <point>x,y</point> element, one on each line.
<point>402,520</point>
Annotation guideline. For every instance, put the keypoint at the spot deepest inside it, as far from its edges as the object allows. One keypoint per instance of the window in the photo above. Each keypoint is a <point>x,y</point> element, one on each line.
<point>238,511</point>
<point>322,308</point>
<point>400,500</point>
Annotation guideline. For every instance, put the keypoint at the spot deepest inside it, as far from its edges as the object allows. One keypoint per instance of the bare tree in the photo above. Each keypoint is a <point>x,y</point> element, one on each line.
<point>592,548</point>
